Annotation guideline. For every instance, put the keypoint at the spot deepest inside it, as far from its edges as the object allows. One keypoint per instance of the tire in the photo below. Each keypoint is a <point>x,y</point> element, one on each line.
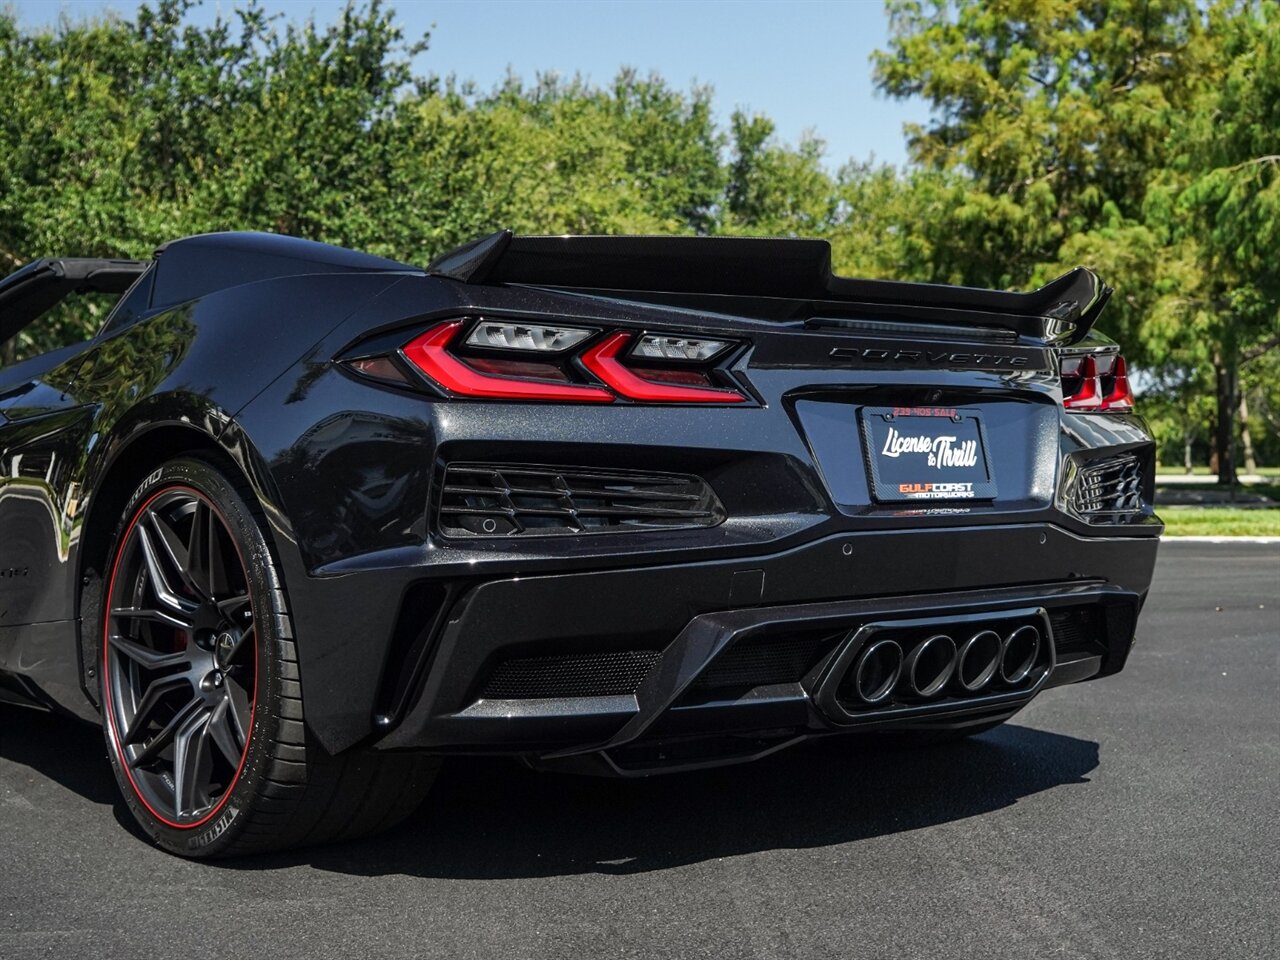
<point>199,663</point>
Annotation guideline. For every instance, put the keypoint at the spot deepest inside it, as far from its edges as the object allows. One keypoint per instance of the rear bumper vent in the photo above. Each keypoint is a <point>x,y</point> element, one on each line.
<point>495,500</point>
<point>1078,631</point>
<point>764,660</point>
<point>569,675</point>
<point>1108,491</point>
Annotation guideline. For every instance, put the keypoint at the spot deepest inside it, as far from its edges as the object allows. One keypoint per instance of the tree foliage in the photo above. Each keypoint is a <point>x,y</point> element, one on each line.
<point>1135,136</point>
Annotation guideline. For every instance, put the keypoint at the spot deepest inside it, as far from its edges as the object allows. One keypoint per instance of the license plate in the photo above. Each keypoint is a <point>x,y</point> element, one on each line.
<point>926,453</point>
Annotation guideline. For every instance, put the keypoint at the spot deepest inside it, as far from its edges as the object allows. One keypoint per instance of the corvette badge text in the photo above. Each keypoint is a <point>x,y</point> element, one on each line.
<point>931,358</point>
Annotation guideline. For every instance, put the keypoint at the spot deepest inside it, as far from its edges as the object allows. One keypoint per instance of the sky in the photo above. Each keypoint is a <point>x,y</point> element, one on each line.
<point>804,63</point>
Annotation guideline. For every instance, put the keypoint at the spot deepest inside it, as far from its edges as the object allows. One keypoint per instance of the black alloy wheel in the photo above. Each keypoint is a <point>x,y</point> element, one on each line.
<point>180,660</point>
<point>202,692</point>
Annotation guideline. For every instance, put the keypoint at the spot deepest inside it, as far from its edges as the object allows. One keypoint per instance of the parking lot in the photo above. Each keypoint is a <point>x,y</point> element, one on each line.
<point>1138,816</point>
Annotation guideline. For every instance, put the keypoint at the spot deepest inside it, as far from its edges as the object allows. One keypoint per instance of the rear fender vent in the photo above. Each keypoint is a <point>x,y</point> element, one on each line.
<point>569,675</point>
<point>1108,491</point>
<point>496,500</point>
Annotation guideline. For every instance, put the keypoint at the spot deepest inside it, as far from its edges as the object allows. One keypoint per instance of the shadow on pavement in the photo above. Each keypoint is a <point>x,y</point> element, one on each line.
<point>489,819</point>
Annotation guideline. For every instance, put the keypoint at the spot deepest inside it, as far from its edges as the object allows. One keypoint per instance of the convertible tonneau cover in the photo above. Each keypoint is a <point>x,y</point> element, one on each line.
<point>792,269</point>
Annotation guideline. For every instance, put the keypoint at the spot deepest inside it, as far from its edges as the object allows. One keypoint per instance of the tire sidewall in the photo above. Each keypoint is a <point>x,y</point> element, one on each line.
<point>265,595</point>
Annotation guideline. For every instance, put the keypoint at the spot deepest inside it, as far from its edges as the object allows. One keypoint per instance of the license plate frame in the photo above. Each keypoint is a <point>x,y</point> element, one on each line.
<point>927,454</point>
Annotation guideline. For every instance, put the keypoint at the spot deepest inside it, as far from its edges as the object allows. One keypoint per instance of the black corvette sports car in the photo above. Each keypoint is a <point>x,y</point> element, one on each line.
<point>298,521</point>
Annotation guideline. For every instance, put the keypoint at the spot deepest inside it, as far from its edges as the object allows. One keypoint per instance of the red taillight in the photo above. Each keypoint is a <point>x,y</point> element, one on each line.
<point>502,360</point>
<point>430,354</point>
<point>1090,384</point>
<point>602,360</point>
<point>1120,396</point>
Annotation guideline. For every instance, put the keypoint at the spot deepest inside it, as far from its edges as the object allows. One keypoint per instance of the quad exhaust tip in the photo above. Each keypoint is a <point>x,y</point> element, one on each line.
<point>979,660</point>
<point>929,666</point>
<point>1018,654</point>
<point>877,671</point>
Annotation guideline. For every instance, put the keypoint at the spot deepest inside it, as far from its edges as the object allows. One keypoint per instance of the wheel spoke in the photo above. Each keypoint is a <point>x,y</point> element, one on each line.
<point>153,616</point>
<point>224,737</point>
<point>175,551</point>
<point>190,757</point>
<point>207,564</point>
<point>235,608</point>
<point>145,656</point>
<point>160,584</point>
<point>166,736</point>
<point>156,691</point>
<point>241,710</point>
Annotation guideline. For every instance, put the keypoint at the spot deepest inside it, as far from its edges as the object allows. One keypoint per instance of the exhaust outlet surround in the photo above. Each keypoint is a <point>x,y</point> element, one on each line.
<point>929,666</point>
<point>954,663</point>
<point>978,660</point>
<point>878,670</point>
<point>1018,654</point>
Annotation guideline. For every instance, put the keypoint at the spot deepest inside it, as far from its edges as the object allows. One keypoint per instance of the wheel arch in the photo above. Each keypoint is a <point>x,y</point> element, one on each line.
<point>120,474</point>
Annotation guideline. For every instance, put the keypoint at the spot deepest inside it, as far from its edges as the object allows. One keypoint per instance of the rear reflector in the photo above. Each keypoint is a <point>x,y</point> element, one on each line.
<point>379,368</point>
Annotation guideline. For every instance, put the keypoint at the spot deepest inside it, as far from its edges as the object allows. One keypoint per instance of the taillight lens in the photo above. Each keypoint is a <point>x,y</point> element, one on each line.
<point>1096,384</point>
<point>430,354</point>
<point>504,360</point>
<point>1120,394</point>
<point>602,360</point>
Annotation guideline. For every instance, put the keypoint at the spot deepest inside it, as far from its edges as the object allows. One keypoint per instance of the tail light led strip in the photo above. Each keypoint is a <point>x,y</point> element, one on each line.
<point>526,362</point>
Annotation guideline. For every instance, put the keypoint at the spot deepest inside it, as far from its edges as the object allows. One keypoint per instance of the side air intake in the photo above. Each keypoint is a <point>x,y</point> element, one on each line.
<point>496,500</point>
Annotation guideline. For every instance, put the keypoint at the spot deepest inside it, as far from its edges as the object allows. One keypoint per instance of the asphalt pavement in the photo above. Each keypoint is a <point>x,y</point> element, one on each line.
<point>1133,817</point>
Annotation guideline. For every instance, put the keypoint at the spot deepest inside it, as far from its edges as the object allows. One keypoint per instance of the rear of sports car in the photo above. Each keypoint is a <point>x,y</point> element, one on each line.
<point>631,505</point>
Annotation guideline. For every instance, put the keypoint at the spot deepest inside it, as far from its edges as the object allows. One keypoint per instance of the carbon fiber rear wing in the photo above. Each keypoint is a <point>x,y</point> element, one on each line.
<point>727,272</point>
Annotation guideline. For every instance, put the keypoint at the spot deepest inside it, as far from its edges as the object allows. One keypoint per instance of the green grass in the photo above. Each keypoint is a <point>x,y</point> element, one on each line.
<point>1166,468</point>
<point>1269,490</point>
<point>1220,522</point>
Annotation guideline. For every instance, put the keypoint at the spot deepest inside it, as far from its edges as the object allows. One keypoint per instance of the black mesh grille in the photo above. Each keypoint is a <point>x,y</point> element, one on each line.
<point>758,661</point>
<point>1110,490</point>
<point>493,500</point>
<point>1078,631</point>
<point>569,675</point>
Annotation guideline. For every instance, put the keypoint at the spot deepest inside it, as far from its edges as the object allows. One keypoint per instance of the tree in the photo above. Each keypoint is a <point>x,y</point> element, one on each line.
<point>1230,201</point>
<point>1080,131</point>
<point>772,189</point>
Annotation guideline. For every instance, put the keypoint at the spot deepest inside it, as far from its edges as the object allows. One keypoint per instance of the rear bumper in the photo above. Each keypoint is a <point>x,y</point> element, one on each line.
<point>684,619</point>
